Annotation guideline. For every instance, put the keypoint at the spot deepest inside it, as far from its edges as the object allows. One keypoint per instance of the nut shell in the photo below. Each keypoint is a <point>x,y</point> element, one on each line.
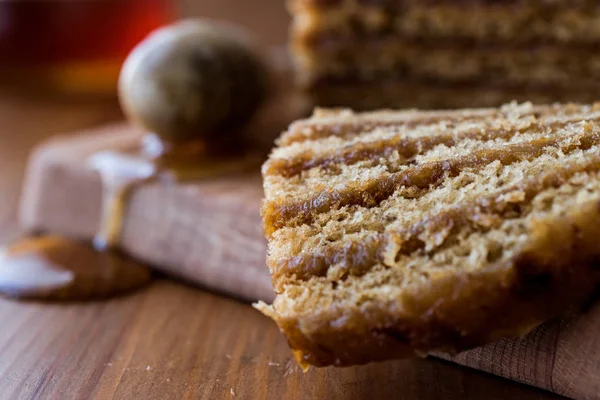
<point>191,80</point>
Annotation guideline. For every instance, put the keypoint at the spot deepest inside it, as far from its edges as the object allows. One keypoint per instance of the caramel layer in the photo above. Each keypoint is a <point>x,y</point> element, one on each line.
<point>407,148</point>
<point>481,214</point>
<point>303,131</point>
<point>371,193</point>
<point>400,59</point>
<point>427,94</point>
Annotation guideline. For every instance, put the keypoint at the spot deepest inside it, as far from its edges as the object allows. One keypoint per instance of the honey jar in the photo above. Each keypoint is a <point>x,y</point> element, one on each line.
<point>73,47</point>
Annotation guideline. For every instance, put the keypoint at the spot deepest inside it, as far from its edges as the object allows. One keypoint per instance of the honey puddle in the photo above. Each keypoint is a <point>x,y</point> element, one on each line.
<point>59,268</point>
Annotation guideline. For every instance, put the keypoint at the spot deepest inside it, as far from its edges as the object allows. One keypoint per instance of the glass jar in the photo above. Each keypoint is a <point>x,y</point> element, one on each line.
<point>72,47</point>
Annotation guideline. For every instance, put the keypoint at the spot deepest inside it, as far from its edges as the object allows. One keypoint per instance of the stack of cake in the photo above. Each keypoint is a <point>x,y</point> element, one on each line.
<point>446,53</point>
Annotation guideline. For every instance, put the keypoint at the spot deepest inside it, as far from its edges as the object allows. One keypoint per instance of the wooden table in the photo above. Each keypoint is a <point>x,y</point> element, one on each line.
<point>172,340</point>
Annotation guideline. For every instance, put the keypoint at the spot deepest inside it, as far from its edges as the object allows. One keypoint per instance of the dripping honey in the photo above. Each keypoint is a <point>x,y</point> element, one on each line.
<point>156,160</point>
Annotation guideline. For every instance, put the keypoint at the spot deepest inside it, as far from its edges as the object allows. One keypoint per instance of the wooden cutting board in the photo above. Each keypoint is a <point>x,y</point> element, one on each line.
<point>209,233</point>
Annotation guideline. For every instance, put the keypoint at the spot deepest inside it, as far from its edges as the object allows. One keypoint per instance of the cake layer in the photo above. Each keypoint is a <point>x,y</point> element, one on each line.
<point>508,22</point>
<point>392,233</point>
<point>403,93</point>
<point>395,58</point>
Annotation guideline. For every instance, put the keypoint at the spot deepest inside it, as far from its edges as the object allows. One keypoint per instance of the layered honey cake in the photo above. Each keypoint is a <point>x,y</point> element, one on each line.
<point>446,53</point>
<point>400,233</point>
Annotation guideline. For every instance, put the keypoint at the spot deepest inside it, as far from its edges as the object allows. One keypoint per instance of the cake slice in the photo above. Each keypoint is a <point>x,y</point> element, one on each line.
<point>481,51</point>
<point>400,233</point>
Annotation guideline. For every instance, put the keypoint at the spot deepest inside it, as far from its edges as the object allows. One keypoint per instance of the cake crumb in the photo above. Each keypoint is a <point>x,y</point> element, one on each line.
<point>148,368</point>
<point>417,216</point>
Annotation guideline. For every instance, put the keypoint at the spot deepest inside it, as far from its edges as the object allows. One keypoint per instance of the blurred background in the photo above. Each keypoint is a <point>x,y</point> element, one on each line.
<point>59,62</point>
<point>76,47</point>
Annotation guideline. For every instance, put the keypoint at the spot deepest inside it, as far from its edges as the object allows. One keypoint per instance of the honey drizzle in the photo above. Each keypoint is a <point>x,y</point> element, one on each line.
<point>113,210</point>
<point>122,172</point>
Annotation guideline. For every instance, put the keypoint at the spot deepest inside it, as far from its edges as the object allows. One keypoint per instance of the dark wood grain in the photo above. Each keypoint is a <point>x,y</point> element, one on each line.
<point>559,356</point>
<point>171,341</point>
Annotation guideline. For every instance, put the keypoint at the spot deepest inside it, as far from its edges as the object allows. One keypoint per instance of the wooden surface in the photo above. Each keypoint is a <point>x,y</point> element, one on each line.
<point>561,356</point>
<point>172,340</point>
<point>209,232</point>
